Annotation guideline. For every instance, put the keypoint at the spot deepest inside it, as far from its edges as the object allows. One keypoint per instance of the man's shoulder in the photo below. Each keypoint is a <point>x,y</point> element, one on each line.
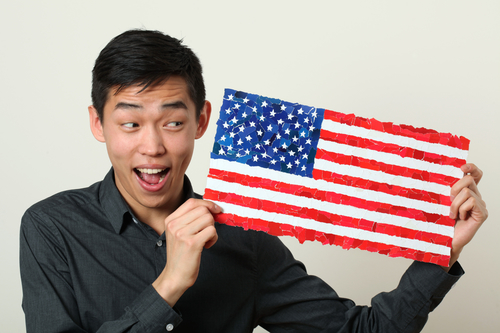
<point>66,202</point>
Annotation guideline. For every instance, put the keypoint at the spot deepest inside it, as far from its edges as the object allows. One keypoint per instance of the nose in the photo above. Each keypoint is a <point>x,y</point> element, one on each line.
<point>152,142</point>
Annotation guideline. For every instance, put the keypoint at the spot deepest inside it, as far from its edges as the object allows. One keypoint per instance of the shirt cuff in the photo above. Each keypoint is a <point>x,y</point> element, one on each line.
<point>153,312</point>
<point>432,280</point>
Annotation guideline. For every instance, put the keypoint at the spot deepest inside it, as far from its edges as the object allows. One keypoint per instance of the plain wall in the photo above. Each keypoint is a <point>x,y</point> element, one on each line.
<point>433,64</point>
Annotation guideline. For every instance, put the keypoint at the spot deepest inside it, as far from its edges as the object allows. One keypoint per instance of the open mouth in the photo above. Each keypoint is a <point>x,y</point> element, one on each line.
<point>152,176</point>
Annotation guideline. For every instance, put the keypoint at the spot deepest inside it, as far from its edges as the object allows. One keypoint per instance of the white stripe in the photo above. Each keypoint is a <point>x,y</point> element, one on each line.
<point>334,229</point>
<point>344,210</point>
<point>389,158</point>
<point>381,177</point>
<point>403,141</point>
<point>322,185</point>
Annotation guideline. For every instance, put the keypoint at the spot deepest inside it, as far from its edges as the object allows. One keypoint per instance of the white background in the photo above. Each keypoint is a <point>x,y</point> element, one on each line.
<point>433,64</point>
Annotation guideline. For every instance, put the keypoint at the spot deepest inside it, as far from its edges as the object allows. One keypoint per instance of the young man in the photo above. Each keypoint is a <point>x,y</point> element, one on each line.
<point>140,252</point>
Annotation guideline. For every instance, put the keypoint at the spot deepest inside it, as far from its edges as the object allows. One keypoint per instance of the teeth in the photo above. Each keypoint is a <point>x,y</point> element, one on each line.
<point>151,171</point>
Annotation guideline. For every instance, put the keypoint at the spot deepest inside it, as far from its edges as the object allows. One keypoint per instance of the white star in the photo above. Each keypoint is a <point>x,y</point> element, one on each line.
<point>270,127</point>
<point>278,136</point>
<point>244,115</point>
<point>242,128</point>
<point>308,141</point>
<point>306,120</point>
<point>284,146</point>
<point>289,165</point>
<point>311,128</point>
<point>282,158</point>
<point>301,111</point>
<point>223,138</point>
<point>228,111</point>
<point>273,162</point>
<point>267,142</point>
<point>222,152</point>
<point>257,146</point>
<point>283,107</point>
<point>262,118</point>
<point>239,143</point>
<point>314,114</point>
<point>252,124</point>
<point>295,139</point>
<point>304,156</point>
<point>272,113</point>
<point>297,162</point>
<point>290,116</point>
<point>300,149</point>
<point>275,150</point>
<point>287,131</point>
<point>265,155</point>
<point>302,134</point>
<point>226,125</point>
<point>259,132</point>
<point>247,151</point>
<point>280,121</point>
<point>264,104</point>
<point>255,158</point>
<point>291,152</point>
<point>230,97</point>
<point>238,155</point>
<point>230,147</point>
<point>303,168</point>
<point>254,109</point>
<point>233,120</point>
<point>231,134</point>
<point>248,138</point>
<point>297,125</point>
<point>245,100</point>
<point>237,106</point>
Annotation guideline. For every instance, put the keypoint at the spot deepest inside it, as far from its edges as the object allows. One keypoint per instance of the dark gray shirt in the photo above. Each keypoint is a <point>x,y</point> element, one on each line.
<point>87,266</point>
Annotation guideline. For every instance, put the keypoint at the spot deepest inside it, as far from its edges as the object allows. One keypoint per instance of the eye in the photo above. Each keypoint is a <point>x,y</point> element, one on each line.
<point>130,125</point>
<point>174,124</point>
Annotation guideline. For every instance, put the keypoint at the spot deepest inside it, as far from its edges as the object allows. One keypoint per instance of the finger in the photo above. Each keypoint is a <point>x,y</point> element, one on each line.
<point>466,207</point>
<point>466,182</point>
<point>459,200</point>
<point>213,239</point>
<point>473,170</point>
<point>191,204</point>
<point>191,222</point>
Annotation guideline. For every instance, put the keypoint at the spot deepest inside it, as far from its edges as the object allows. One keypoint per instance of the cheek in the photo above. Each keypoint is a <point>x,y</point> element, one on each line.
<point>119,149</point>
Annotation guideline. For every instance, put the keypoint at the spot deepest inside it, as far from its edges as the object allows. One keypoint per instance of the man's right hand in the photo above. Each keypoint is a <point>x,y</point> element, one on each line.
<point>188,230</point>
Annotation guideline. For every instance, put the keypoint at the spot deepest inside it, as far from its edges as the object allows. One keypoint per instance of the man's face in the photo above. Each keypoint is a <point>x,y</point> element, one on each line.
<point>150,137</point>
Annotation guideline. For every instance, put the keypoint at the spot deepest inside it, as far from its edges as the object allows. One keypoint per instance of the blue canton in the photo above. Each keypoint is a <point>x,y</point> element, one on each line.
<point>266,132</point>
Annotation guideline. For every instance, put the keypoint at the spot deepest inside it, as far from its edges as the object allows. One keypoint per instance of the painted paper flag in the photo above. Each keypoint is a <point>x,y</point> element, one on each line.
<point>315,174</point>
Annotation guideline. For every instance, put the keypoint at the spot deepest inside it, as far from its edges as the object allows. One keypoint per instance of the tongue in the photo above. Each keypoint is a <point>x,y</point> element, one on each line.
<point>151,179</point>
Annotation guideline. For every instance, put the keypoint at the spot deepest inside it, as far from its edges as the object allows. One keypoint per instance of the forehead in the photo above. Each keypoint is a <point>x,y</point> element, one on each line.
<point>172,90</point>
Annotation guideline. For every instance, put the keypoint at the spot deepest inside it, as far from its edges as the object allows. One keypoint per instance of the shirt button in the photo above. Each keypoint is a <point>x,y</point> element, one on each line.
<point>169,327</point>
<point>159,243</point>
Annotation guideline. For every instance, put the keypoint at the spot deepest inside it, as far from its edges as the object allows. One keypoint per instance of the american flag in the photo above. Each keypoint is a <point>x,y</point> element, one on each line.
<point>315,174</point>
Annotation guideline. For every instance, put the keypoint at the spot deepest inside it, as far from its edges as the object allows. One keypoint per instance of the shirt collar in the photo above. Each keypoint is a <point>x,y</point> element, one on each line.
<point>115,207</point>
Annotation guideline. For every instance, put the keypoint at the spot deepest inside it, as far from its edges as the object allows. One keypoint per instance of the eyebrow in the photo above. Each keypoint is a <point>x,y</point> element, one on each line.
<point>132,106</point>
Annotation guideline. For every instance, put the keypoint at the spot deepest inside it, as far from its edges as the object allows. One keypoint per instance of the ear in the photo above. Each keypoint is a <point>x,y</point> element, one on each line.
<point>96,124</point>
<point>204,119</point>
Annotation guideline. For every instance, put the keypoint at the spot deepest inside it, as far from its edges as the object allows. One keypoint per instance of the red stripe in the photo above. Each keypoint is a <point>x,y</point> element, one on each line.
<point>329,196</point>
<point>382,187</point>
<point>386,168</point>
<point>303,234</point>
<point>390,148</point>
<point>327,217</point>
<point>421,134</point>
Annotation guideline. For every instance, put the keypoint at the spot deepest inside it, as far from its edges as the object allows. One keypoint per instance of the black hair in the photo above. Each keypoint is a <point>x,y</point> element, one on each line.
<point>145,58</point>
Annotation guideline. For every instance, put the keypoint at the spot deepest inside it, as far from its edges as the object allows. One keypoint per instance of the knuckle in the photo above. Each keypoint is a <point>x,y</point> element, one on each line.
<point>191,203</point>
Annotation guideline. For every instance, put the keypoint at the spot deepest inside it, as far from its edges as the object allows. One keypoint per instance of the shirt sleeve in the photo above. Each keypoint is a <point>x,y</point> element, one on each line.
<point>289,300</point>
<point>49,300</point>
